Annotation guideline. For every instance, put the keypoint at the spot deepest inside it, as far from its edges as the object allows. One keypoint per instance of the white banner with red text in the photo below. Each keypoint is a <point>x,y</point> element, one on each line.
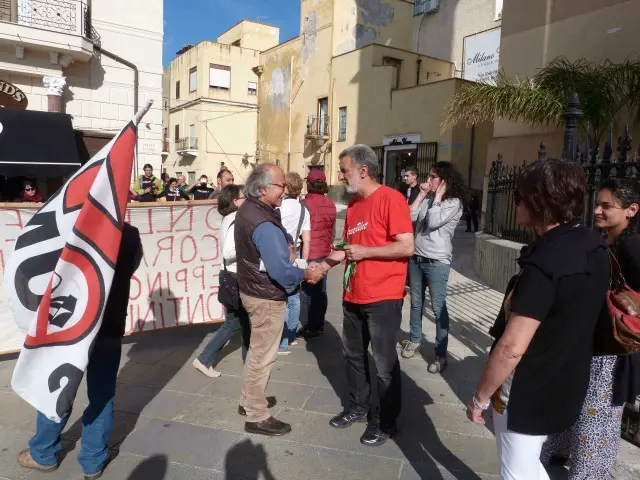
<point>177,281</point>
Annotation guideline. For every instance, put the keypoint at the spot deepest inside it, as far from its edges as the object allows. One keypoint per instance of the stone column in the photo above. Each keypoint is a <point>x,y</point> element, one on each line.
<point>55,87</point>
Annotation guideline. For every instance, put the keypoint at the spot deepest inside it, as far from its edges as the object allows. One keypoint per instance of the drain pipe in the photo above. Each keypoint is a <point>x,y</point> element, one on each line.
<point>136,83</point>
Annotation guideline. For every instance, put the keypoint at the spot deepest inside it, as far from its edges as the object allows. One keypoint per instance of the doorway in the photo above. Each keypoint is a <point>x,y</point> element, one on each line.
<point>396,160</point>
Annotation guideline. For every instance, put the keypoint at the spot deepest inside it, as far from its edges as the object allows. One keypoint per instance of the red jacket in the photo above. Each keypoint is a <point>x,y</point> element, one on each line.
<point>323,220</point>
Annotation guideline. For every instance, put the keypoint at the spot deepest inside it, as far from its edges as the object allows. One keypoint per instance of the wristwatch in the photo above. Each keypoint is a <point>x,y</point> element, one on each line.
<point>436,204</point>
<point>479,405</point>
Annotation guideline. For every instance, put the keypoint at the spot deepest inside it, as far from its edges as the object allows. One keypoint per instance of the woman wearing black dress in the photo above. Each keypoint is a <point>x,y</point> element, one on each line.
<point>592,443</point>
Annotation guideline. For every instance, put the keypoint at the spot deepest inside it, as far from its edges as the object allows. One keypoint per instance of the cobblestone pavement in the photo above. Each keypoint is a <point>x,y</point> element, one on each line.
<point>174,423</point>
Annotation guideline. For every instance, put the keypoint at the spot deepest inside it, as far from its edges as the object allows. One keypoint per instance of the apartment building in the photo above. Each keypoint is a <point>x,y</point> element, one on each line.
<point>377,72</point>
<point>534,33</point>
<point>76,57</point>
<point>212,94</point>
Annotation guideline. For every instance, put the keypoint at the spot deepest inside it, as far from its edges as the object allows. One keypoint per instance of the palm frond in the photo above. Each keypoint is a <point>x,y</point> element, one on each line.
<point>513,100</point>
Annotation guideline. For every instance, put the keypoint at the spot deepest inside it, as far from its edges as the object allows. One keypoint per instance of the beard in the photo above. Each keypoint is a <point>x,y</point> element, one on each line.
<point>353,186</point>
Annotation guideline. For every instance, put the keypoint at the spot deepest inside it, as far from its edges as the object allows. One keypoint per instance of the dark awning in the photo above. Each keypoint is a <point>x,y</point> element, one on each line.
<point>37,144</point>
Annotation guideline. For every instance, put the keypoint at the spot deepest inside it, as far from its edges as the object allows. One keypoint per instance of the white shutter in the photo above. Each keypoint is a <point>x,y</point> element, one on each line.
<point>219,78</point>
<point>193,81</point>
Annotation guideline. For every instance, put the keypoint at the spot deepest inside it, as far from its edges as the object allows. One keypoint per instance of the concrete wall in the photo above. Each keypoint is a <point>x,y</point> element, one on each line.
<point>99,93</point>
<point>252,35</point>
<point>441,34</point>
<point>496,260</point>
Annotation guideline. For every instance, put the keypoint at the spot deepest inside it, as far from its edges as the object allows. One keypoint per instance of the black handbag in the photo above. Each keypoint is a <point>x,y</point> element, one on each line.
<point>228,291</point>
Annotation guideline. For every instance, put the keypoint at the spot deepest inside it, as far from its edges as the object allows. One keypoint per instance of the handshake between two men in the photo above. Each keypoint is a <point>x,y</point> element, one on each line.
<point>316,271</point>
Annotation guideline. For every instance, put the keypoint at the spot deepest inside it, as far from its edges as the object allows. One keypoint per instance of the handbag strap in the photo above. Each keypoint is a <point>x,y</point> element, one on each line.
<point>224,262</point>
<point>303,211</point>
<point>616,271</point>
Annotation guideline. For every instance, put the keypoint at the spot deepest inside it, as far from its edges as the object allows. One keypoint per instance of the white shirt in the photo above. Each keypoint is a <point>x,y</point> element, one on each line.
<point>290,212</point>
<point>227,242</point>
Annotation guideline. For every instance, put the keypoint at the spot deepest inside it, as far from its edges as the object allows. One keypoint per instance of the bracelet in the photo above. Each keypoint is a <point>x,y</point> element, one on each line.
<point>478,405</point>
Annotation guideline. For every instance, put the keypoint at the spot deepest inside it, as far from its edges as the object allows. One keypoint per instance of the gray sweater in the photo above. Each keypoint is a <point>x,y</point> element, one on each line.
<point>435,225</point>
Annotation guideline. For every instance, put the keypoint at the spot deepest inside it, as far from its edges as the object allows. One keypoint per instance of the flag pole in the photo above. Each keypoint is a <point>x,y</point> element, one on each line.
<point>142,112</point>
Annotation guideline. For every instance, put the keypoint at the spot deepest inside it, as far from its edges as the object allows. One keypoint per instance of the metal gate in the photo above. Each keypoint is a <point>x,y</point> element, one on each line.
<point>426,156</point>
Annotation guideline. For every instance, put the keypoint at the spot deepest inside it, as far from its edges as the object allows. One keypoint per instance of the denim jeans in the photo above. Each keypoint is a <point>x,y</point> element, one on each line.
<point>291,320</point>
<point>98,417</point>
<point>234,321</point>
<point>424,272</point>
<point>376,323</point>
<point>313,303</point>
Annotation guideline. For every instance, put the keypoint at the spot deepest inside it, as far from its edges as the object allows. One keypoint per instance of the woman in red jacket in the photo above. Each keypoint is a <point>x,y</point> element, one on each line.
<point>313,298</point>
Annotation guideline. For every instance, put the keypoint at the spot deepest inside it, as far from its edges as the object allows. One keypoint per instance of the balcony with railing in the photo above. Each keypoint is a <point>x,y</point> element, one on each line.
<point>187,146</point>
<point>63,25</point>
<point>318,127</point>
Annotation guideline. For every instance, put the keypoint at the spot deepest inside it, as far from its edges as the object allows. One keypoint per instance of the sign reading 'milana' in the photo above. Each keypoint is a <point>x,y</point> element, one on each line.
<point>482,56</point>
<point>12,97</point>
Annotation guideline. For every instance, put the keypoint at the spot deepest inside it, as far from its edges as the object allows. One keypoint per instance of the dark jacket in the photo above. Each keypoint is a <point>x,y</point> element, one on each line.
<point>411,193</point>
<point>251,280</point>
<point>114,321</point>
<point>570,265</point>
<point>626,381</point>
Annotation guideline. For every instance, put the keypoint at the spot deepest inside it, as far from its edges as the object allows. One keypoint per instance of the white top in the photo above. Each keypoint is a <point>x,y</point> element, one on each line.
<point>227,242</point>
<point>290,211</point>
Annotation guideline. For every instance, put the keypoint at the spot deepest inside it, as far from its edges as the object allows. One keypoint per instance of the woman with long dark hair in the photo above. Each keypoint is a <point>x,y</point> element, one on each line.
<point>537,374</point>
<point>436,212</point>
<point>229,200</point>
<point>593,441</point>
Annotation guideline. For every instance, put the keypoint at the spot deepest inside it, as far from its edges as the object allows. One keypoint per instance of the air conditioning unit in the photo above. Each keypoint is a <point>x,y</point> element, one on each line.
<point>432,6</point>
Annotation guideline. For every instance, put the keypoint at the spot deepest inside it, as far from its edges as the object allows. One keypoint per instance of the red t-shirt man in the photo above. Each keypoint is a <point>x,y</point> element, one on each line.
<point>374,221</point>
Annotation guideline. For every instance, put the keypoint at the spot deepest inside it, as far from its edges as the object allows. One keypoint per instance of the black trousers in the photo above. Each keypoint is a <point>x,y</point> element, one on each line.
<point>472,217</point>
<point>377,324</point>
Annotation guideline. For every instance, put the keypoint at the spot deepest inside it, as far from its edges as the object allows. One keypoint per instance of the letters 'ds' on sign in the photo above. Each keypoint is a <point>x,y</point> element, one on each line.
<point>12,97</point>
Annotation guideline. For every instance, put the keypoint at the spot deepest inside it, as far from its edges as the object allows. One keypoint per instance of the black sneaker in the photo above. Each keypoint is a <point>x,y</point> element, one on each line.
<point>347,418</point>
<point>311,334</point>
<point>439,365</point>
<point>375,436</point>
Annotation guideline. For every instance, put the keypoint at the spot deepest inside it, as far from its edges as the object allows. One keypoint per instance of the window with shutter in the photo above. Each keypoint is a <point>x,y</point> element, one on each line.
<point>193,79</point>
<point>342,124</point>
<point>252,88</point>
<point>220,76</point>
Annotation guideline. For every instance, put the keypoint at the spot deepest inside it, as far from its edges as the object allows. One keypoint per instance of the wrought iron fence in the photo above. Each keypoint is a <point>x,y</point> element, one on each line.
<point>68,16</point>
<point>500,217</point>
<point>426,156</point>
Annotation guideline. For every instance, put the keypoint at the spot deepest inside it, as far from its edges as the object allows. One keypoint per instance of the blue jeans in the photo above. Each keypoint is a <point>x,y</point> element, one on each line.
<point>425,272</point>
<point>234,321</point>
<point>291,320</point>
<point>314,300</point>
<point>98,417</point>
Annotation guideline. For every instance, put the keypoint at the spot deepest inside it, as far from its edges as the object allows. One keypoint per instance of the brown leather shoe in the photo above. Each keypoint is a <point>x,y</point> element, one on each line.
<point>26,460</point>
<point>270,426</point>
<point>271,402</point>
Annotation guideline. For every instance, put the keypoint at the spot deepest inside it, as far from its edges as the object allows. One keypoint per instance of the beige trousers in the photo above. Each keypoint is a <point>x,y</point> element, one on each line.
<point>267,323</point>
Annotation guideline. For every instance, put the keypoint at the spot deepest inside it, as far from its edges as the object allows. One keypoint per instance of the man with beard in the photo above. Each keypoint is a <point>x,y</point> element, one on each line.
<point>379,241</point>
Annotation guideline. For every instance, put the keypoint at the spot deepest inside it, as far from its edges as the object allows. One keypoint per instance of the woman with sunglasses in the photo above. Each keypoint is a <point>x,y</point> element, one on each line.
<point>537,373</point>
<point>30,193</point>
<point>592,443</point>
<point>229,200</point>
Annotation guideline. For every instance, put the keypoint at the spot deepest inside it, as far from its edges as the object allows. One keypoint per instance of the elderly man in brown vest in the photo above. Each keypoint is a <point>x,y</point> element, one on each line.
<point>266,276</point>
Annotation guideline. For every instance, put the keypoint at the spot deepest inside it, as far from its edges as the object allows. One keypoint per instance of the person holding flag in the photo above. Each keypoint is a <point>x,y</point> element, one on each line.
<point>67,283</point>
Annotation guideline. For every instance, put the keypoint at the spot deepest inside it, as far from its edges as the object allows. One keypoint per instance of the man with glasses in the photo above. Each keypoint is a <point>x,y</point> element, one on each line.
<point>266,276</point>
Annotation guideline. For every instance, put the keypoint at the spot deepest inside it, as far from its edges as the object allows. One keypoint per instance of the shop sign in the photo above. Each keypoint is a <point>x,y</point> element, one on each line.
<point>12,97</point>
<point>482,56</point>
<point>407,139</point>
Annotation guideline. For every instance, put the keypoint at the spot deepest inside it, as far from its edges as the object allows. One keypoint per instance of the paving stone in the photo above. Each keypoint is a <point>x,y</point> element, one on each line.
<point>324,400</point>
<point>183,443</point>
<point>16,413</point>
<point>188,380</point>
<point>152,402</point>
<point>180,357</point>
<point>226,386</point>
<point>256,457</point>
<point>307,375</point>
<point>213,412</point>
<point>156,467</point>
<point>150,375</point>
<point>148,353</point>
<point>6,372</point>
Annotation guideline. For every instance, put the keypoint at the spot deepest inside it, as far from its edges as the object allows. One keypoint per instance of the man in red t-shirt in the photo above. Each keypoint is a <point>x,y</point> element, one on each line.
<point>379,233</point>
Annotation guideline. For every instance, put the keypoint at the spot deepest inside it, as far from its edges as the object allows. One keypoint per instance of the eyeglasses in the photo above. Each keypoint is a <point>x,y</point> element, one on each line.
<point>242,198</point>
<point>278,185</point>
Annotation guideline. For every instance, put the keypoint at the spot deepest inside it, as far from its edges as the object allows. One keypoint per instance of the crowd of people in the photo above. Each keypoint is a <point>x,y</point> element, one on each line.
<point>555,395</point>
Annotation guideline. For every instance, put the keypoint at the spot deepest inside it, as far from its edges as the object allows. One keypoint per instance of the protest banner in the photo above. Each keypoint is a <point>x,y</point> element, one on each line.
<point>177,281</point>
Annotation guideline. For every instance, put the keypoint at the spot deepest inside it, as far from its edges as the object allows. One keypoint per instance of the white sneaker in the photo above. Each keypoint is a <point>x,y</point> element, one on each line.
<point>208,371</point>
<point>295,342</point>
<point>284,352</point>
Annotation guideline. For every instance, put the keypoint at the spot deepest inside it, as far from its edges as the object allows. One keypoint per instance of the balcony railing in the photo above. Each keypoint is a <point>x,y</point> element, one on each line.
<point>66,16</point>
<point>187,144</point>
<point>318,126</point>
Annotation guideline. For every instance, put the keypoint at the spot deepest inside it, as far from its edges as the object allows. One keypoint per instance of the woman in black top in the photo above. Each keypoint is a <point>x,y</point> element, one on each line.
<point>537,374</point>
<point>592,443</point>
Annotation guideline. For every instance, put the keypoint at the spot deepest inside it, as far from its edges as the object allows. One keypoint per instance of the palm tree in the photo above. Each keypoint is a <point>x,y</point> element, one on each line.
<point>605,90</point>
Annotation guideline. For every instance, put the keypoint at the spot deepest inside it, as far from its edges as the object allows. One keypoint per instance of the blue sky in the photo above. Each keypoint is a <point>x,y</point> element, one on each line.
<point>190,21</point>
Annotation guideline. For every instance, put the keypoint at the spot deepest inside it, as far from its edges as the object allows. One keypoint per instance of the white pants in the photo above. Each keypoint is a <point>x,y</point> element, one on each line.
<point>519,454</point>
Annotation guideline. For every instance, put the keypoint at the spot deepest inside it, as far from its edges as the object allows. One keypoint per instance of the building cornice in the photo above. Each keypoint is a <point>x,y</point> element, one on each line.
<point>218,101</point>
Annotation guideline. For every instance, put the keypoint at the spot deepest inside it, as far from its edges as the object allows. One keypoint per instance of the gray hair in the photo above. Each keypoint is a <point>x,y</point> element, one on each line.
<point>259,178</point>
<point>363,156</point>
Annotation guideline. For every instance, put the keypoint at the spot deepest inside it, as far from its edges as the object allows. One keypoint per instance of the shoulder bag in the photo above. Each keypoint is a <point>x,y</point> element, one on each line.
<point>228,291</point>
<point>618,332</point>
